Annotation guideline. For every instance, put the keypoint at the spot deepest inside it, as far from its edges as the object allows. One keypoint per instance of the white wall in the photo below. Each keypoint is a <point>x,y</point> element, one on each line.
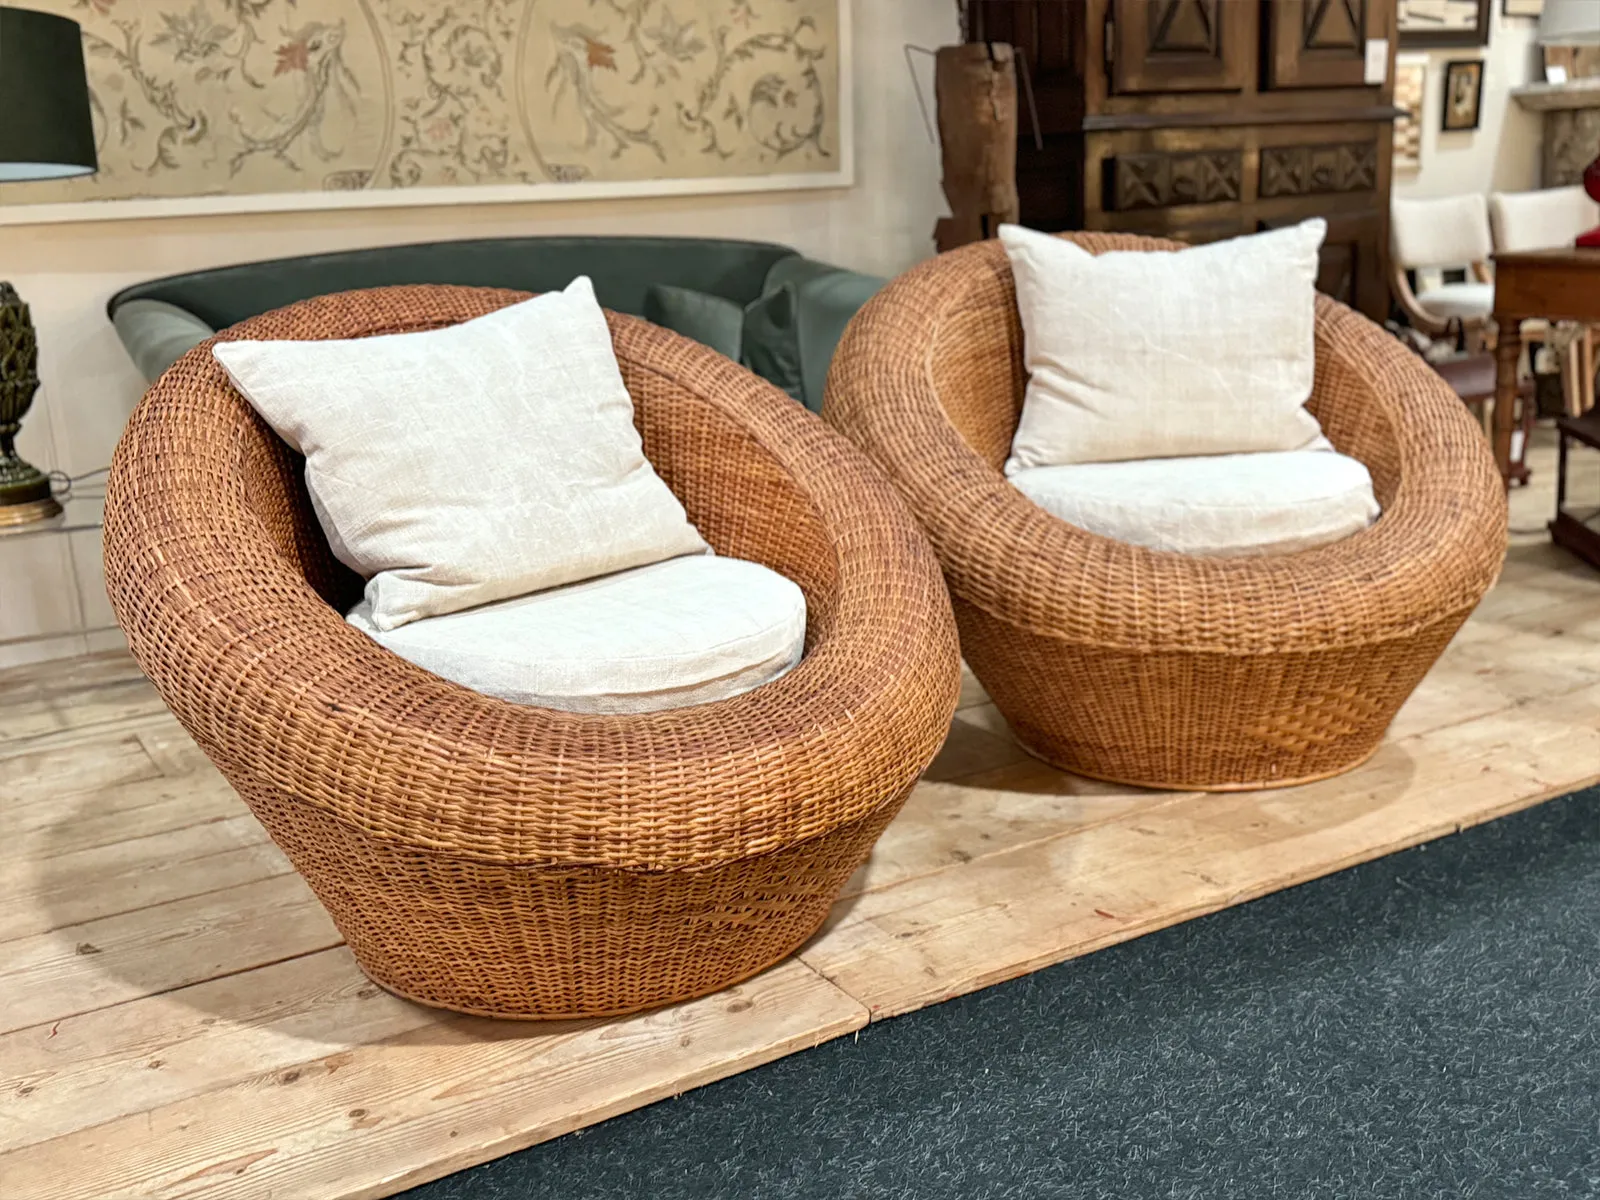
<point>1502,154</point>
<point>53,585</point>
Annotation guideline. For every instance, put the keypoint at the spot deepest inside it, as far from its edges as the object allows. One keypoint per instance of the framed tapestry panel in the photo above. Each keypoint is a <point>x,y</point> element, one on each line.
<point>250,105</point>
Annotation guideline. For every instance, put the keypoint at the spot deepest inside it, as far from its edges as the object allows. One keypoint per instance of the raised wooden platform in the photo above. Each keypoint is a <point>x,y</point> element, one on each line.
<point>178,1017</point>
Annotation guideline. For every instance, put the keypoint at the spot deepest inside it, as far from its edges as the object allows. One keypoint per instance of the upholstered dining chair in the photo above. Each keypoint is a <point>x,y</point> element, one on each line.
<point>1162,669</point>
<point>1545,219</point>
<point>1428,237</point>
<point>510,860</point>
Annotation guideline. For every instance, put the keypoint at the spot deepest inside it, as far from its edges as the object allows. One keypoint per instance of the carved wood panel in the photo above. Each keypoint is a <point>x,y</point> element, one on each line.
<point>1334,25</point>
<point>1318,170</point>
<point>1350,266</point>
<point>1319,43</point>
<point>1180,45</point>
<point>1166,180</point>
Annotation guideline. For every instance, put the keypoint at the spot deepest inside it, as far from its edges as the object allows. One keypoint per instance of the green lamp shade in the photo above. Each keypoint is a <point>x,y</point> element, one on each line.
<point>46,131</point>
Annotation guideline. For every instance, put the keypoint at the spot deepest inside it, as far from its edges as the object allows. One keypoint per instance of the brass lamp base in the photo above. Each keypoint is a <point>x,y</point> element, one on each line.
<point>25,494</point>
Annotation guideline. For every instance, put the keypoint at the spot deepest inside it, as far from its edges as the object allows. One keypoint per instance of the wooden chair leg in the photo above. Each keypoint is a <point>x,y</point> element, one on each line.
<point>1586,370</point>
<point>1526,409</point>
<point>1572,378</point>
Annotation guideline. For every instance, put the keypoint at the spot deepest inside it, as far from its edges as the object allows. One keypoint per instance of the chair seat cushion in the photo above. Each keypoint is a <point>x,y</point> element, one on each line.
<point>1228,505</point>
<point>1464,300</point>
<point>686,631</point>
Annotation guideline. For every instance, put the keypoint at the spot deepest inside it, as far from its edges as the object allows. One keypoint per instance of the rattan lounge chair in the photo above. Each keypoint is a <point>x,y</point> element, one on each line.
<point>516,861</point>
<point>1159,669</point>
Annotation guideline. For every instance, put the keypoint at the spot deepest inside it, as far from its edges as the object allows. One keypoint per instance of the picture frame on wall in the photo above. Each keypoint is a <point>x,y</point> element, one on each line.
<point>1410,86</point>
<point>1523,8</point>
<point>1463,95</point>
<point>1431,23</point>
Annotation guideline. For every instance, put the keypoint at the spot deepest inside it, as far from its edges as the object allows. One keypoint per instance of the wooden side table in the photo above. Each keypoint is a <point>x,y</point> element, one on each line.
<point>1578,530</point>
<point>1559,285</point>
<point>82,512</point>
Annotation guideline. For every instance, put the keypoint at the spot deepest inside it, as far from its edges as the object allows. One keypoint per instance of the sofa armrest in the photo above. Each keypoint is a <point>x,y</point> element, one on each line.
<point>827,297</point>
<point>157,334</point>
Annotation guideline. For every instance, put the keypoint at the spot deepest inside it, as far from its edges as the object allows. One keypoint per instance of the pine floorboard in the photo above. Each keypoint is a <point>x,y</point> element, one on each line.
<point>178,1017</point>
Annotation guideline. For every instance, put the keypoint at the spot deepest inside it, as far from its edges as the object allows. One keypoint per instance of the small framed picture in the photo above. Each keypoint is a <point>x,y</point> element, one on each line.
<point>1410,85</point>
<point>1424,23</point>
<point>1463,94</point>
<point>1523,8</point>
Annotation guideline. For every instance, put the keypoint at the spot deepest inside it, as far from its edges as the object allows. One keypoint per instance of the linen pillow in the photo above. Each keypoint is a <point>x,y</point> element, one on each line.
<point>460,466</point>
<point>1208,350</point>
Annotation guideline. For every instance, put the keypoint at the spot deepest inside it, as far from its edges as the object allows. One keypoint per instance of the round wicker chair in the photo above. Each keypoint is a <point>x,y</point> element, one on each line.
<point>1160,669</point>
<point>514,861</point>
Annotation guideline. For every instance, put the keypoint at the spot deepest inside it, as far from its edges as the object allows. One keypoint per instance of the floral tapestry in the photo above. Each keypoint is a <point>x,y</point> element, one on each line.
<point>250,97</point>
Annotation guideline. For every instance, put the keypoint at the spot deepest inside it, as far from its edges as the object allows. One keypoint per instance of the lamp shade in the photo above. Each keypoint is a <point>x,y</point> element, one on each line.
<point>1570,23</point>
<point>45,128</point>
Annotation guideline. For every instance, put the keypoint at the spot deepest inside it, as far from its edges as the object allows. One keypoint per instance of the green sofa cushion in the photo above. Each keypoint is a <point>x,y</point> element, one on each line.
<point>788,337</point>
<point>158,334</point>
<point>622,269</point>
<point>713,321</point>
<point>826,298</point>
<point>772,340</point>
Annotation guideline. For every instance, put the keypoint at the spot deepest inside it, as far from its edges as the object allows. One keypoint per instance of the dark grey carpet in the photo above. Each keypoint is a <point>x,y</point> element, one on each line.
<point>1427,1025</point>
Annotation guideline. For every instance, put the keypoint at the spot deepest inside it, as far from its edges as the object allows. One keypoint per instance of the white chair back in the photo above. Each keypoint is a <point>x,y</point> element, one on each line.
<point>1541,220</point>
<point>1449,232</point>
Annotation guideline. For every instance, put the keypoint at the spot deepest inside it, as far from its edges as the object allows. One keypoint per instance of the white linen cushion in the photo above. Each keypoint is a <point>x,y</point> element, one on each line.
<point>1137,355</point>
<point>686,631</point>
<point>459,466</point>
<point>1227,505</point>
<point>1458,300</point>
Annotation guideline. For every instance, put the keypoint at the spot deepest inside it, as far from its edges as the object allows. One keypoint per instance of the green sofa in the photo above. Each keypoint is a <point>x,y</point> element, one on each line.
<point>779,313</point>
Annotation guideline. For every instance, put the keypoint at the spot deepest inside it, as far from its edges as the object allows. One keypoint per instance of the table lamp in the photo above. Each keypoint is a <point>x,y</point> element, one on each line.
<point>1575,23</point>
<point>45,133</point>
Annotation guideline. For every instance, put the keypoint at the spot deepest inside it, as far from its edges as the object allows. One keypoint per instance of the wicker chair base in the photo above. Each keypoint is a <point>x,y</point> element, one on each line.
<point>1162,785</point>
<point>535,943</point>
<point>1194,722</point>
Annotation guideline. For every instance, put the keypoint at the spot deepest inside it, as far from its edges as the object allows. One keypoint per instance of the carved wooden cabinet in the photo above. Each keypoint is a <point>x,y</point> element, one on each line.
<point>1205,119</point>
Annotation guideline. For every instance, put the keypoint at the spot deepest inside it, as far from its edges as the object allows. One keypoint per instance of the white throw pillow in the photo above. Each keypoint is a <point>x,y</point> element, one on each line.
<point>1131,355</point>
<point>1227,505</point>
<point>460,466</point>
<point>688,631</point>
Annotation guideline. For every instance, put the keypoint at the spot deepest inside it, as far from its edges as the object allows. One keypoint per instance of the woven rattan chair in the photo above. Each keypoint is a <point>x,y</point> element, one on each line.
<point>516,861</point>
<point>1161,669</point>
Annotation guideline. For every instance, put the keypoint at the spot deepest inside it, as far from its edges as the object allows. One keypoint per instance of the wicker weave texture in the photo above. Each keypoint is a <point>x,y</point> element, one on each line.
<point>517,861</point>
<point>1161,669</point>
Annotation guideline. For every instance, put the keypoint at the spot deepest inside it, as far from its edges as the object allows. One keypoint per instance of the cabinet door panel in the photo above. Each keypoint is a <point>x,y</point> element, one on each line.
<point>1319,43</point>
<point>1181,45</point>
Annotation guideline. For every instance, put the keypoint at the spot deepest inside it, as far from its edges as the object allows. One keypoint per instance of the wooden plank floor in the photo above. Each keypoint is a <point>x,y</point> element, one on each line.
<point>178,1018</point>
